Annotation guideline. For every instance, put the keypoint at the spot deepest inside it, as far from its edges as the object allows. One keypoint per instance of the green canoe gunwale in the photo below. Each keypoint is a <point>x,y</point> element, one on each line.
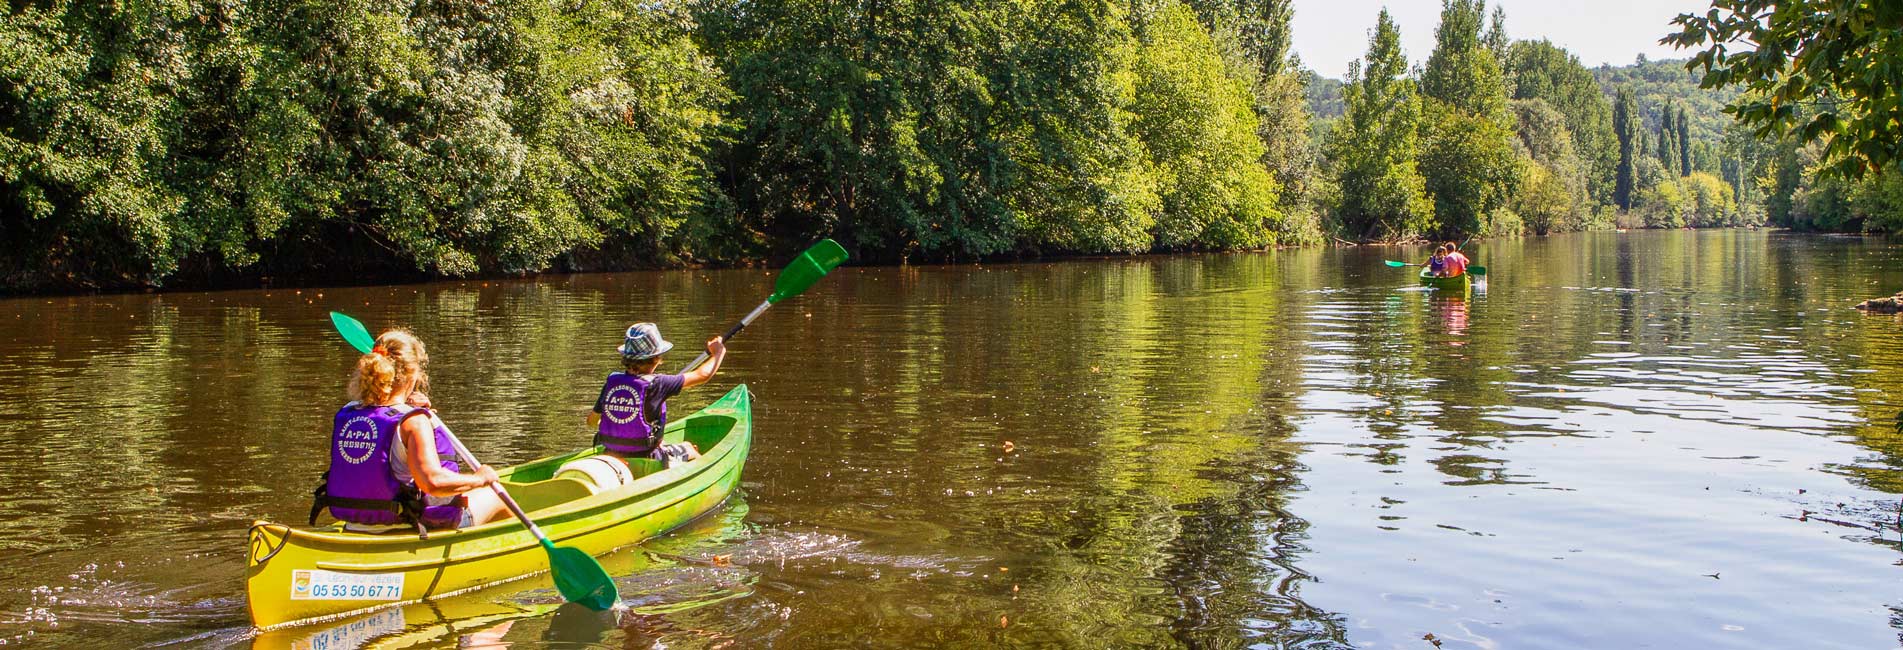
<point>664,493</point>
<point>1461,281</point>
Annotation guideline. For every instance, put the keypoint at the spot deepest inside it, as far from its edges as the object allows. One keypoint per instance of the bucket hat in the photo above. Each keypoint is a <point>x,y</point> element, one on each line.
<point>643,341</point>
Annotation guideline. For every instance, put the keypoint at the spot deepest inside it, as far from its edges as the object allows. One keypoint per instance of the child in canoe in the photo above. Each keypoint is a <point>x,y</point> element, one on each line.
<point>1437,265</point>
<point>631,411</point>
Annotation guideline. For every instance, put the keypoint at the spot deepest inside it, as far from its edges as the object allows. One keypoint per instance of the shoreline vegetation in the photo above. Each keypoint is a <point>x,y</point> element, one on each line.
<point>165,145</point>
<point>398,278</point>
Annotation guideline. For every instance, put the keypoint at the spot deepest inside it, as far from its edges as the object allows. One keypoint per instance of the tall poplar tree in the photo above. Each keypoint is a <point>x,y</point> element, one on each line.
<point>1467,154</point>
<point>1625,127</point>
<point>1373,147</point>
<point>1498,42</point>
<point>1668,138</point>
<point>1684,143</point>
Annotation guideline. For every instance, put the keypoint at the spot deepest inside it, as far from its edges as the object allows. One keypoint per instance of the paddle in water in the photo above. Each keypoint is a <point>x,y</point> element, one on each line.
<point>578,577</point>
<point>798,276</point>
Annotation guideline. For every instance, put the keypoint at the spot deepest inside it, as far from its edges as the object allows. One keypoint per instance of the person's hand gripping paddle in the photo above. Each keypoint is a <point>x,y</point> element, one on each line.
<point>577,575</point>
<point>811,265</point>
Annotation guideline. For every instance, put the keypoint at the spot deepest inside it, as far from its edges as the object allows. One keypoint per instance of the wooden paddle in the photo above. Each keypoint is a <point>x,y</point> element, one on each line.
<point>798,276</point>
<point>578,577</point>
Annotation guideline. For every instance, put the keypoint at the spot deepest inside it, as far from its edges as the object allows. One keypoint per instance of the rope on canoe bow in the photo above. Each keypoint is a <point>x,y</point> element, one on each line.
<point>258,540</point>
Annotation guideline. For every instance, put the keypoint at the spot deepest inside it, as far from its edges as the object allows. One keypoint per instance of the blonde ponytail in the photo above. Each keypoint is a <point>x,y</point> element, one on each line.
<point>398,358</point>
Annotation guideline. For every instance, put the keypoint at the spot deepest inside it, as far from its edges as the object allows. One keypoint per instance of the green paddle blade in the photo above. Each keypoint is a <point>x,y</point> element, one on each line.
<point>580,578</point>
<point>353,332</point>
<point>808,268</point>
<point>1396,264</point>
<point>1477,270</point>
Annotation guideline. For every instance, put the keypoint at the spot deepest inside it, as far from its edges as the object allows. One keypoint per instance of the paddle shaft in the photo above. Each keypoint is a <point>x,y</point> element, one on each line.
<point>731,332</point>
<point>462,452</point>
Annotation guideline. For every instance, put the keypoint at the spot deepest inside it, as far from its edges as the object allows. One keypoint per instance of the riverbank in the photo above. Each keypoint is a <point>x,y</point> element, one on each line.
<point>198,279</point>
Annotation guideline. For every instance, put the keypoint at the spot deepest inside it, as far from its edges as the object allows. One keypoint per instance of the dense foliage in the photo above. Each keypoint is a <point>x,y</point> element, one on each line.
<point>144,139</point>
<point>1812,84</point>
<point>1836,58</point>
<point>1539,70</point>
<point>157,141</point>
<point>1374,147</point>
<point>1467,152</point>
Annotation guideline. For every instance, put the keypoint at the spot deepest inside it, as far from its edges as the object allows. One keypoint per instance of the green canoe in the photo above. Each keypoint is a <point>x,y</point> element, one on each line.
<point>296,575</point>
<point>1457,283</point>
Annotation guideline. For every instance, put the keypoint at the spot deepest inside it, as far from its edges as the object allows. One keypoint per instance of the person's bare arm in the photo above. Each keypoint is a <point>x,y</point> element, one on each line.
<point>427,468</point>
<point>716,351</point>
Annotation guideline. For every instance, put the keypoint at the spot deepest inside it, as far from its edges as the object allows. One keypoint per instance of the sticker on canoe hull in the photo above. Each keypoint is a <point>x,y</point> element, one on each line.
<point>318,584</point>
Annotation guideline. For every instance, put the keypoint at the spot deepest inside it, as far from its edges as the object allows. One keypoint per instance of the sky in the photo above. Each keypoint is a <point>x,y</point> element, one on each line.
<point>1331,33</point>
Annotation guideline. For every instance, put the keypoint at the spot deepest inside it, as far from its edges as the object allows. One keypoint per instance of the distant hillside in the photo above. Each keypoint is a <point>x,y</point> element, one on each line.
<point>1324,97</point>
<point>1655,82</point>
<point>1652,84</point>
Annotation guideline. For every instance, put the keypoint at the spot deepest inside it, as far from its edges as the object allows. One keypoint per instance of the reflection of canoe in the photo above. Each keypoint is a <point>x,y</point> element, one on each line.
<point>1456,283</point>
<point>295,575</point>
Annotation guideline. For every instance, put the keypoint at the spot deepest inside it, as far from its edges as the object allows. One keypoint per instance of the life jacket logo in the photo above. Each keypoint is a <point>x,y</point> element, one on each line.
<point>357,439</point>
<point>621,405</point>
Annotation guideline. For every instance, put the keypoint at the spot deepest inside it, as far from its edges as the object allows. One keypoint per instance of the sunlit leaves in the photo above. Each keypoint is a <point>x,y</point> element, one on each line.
<point>1373,148</point>
<point>1836,56</point>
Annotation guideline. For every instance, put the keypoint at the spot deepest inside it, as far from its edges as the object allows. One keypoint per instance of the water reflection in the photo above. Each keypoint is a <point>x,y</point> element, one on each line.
<point>1683,432</point>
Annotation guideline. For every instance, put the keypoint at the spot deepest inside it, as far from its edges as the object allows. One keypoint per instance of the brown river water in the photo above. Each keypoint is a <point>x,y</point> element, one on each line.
<point>1643,440</point>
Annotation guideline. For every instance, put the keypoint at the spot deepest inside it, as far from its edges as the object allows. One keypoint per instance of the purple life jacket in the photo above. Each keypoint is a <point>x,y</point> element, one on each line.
<point>361,486</point>
<point>625,428</point>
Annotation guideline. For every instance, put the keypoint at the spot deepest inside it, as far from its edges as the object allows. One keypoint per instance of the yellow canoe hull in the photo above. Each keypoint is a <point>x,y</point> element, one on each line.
<point>298,575</point>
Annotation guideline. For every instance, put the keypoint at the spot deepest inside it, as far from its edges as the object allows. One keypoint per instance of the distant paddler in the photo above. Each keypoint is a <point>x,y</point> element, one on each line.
<point>1444,263</point>
<point>1453,254</point>
<point>390,464</point>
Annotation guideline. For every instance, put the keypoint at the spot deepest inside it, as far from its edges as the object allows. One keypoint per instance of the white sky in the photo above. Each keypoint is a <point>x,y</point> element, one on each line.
<point>1330,33</point>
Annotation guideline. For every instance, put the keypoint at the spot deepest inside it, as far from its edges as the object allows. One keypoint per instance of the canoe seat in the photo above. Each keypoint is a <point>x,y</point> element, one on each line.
<point>547,493</point>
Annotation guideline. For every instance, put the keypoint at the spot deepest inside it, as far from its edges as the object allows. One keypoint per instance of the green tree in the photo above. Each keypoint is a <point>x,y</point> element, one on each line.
<point>1787,54</point>
<point>1682,127</point>
<point>82,140</point>
<point>1500,44</point>
<point>1198,125</point>
<point>1552,196</point>
<point>483,137</point>
<point>1254,37</point>
<point>1625,127</point>
<point>1080,179</point>
<point>1372,149</point>
<point>1467,153</point>
<point>1667,153</point>
<point>1463,72</point>
<point>1709,200</point>
<point>1543,71</point>
<point>872,123</point>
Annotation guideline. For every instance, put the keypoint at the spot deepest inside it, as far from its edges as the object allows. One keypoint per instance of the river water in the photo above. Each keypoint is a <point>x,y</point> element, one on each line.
<point>1653,439</point>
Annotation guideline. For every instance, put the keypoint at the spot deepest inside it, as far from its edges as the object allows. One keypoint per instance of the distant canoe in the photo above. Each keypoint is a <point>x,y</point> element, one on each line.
<point>298,575</point>
<point>1457,283</point>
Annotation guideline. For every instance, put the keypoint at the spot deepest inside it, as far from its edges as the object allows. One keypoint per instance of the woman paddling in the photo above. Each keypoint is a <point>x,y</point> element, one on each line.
<point>389,464</point>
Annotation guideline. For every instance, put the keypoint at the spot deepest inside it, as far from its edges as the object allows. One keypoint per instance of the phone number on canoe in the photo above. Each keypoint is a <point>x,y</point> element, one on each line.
<point>367,592</point>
